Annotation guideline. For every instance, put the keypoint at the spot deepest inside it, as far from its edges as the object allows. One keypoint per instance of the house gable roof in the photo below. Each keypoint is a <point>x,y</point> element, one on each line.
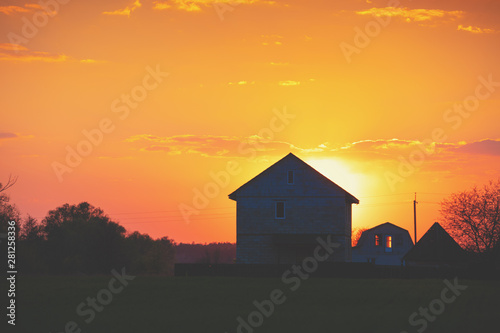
<point>315,180</point>
<point>385,225</point>
<point>436,245</point>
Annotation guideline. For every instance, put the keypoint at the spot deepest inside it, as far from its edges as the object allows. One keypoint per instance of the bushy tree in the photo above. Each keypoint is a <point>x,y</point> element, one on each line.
<point>149,256</point>
<point>81,238</point>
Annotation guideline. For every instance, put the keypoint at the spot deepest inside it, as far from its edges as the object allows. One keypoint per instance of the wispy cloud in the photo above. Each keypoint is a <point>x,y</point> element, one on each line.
<point>484,147</point>
<point>279,63</point>
<point>161,5</point>
<point>413,15</point>
<point>198,5</point>
<point>16,52</point>
<point>233,146</point>
<point>241,83</point>
<point>208,145</point>
<point>125,11</point>
<point>289,83</point>
<point>476,30</point>
<point>13,10</point>
<point>7,135</point>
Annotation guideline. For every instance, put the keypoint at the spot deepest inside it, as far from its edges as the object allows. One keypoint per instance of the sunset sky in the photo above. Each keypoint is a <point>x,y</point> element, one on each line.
<point>136,107</point>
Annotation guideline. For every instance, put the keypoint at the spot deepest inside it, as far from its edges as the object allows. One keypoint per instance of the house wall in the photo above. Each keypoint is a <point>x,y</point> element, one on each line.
<point>256,225</point>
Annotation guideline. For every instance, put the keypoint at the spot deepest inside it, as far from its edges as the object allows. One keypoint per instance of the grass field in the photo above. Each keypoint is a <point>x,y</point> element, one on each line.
<point>167,304</point>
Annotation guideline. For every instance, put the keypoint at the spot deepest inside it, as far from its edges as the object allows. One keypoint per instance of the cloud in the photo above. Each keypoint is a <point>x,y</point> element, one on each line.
<point>161,5</point>
<point>198,5</point>
<point>125,11</point>
<point>13,10</point>
<point>241,83</point>
<point>476,30</point>
<point>6,135</point>
<point>16,52</point>
<point>379,149</point>
<point>272,40</point>
<point>484,147</point>
<point>413,15</point>
<point>210,145</point>
<point>289,83</point>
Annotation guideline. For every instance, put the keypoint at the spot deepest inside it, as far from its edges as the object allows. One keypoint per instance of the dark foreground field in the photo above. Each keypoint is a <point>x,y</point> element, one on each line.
<point>166,304</point>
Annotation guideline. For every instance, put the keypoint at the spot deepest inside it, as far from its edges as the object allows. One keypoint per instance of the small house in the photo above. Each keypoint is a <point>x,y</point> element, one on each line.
<point>385,244</point>
<point>436,248</point>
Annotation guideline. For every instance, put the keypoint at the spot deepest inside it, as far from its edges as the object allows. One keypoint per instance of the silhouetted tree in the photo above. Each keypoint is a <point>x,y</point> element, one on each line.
<point>31,230</point>
<point>472,217</point>
<point>148,256</point>
<point>81,238</point>
<point>31,247</point>
<point>10,182</point>
<point>8,212</point>
<point>205,253</point>
<point>356,234</point>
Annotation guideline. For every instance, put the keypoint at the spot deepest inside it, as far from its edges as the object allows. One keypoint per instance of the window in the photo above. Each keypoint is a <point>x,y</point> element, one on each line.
<point>388,243</point>
<point>398,240</point>
<point>280,209</point>
<point>377,240</point>
<point>289,178</point>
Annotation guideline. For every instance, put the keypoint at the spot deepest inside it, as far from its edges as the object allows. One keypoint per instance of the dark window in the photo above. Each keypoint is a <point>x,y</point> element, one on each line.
<point>398,240</point>
<point>377,240</point>
<point>388,243</point>
<point>280,209</point>
<point>290,177</point>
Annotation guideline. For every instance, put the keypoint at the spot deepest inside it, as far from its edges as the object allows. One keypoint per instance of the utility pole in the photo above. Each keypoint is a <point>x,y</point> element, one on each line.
<point>415,216</point>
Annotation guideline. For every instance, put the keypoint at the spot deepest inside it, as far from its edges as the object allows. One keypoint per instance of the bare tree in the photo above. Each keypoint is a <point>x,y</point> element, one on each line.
<point>472,217</point>
<point>356,235</point>
<point>8,212</point>
<point>10,183</point>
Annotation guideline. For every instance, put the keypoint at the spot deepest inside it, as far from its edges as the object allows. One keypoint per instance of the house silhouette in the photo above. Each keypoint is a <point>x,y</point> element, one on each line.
<point>385,244</point>
<point>283,210</point>
<point>436,248</point>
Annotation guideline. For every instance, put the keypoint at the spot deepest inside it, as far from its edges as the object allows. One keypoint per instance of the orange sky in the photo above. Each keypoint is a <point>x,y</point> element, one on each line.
<point>155,98</point>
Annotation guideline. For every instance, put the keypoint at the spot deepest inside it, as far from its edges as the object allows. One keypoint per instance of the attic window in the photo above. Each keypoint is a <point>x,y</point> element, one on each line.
<point>289,178</point>
<point>388,243</point>
<point>377,240</point>
<point>280,209</point>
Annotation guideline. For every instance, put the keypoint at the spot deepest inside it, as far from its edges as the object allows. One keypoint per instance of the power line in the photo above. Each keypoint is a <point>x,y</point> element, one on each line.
<point>170,216</point>
<point>384,195</point>
<point>165,211</point>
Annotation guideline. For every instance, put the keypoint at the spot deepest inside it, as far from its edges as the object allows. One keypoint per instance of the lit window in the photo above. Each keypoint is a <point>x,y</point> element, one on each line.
<point>290,177</point>
<point>377,240</point>
<point>280,209</point>
<point>388,243</point>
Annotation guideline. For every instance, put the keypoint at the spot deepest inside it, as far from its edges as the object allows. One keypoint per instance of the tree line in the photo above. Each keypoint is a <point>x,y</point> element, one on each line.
<point>81,239</point>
